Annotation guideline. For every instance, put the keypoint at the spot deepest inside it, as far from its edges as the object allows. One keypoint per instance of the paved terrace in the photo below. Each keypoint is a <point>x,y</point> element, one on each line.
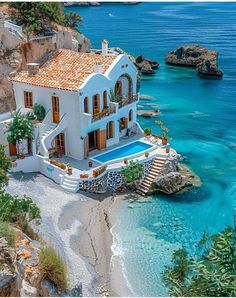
<point>82,167</point>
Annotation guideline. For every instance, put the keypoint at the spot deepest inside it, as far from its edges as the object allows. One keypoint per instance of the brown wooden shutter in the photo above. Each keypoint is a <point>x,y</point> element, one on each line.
<point>102,135</point>
<point>12,149</point>
<point>86,147</point>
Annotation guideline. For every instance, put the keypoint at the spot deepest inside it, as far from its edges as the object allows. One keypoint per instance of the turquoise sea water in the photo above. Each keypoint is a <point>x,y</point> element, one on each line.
<point>123,151</point>
<point>201,115</point>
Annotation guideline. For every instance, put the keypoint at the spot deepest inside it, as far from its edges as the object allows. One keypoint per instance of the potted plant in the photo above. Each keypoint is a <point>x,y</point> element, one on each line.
<point>167,150</point>
<point>125,161</point>
<point>147,131</point>
<point>146,154</point>
<point>69,170</point>
<point>90,163</point>
<point>165,131</point>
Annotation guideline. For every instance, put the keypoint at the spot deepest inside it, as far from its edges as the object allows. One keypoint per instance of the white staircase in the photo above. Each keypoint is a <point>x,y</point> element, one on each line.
<point>48,134</point>
<point>70,183</point>
<point>155,170</point>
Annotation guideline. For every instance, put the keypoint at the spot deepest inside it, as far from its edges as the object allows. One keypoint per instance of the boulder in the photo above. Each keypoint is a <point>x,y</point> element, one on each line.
<point>170,183</point>
<point>48,289</point>
<point>197,56</point>
<point>146,66</point>
<point>27,290</point>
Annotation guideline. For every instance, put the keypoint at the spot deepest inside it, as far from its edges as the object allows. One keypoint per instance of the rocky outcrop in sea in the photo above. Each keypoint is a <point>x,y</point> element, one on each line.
<point>174,177</point>
<point>205,61</point>
<point>145,65</point>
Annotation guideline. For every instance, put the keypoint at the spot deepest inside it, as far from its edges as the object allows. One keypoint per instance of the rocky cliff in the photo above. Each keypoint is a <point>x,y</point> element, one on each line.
<point>20,272</point>
<point>16,52</point>
<point>204,60</point>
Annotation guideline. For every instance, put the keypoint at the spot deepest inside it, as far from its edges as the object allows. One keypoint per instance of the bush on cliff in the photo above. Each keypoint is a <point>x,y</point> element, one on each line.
<point>8,233</point>
<point>53,267</point>
<point>209,274</point>
<point>38,17</point>
<point>5,165</point>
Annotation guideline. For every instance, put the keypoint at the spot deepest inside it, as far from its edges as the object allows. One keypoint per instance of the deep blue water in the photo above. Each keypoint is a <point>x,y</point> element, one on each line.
<point>201,115</point>
<point>124,151</point>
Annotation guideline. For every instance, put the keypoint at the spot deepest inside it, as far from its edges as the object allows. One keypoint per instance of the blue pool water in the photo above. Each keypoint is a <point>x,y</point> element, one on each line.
<point>201,116</point>
<point>127,150</point>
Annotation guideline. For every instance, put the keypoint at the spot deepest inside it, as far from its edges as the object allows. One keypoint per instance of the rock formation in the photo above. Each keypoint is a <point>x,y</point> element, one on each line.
<point>195,55</point>
<point>145,65</point>
<point>20,274</point>
<point>174,177</point>
<point>16,52</point>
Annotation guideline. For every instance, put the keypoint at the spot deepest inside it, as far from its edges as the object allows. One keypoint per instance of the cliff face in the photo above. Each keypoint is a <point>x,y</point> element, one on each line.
<point>16,52</point>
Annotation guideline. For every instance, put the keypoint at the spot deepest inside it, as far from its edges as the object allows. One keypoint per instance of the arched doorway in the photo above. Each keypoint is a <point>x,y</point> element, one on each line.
<point>124,86</point>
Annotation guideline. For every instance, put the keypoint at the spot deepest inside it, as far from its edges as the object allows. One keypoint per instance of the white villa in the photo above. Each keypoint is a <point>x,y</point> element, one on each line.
<point>90,101</point>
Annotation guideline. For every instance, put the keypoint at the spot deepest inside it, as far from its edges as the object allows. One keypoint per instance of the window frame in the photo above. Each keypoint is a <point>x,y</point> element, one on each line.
<point>28,99</point>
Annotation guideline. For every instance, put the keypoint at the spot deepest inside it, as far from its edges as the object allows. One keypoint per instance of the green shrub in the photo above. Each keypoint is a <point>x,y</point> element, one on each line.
<point>13,209</point>
<point>53,266</point>
<point>8,232</point>
<point>39,111</point>
<point>210,272</point>
<point>147,131</point>
<point>133,171</point>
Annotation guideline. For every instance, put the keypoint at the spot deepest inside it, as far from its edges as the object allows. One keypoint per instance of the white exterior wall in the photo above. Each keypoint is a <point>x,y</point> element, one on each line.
<point>72,103</point>
<point>68,104</point>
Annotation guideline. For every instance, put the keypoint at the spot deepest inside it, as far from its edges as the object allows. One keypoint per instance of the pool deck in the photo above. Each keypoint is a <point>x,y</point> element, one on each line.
<point>82,167</point>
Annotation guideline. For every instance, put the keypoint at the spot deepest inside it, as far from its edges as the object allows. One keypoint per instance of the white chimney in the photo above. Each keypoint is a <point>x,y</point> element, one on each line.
<point>98,68</point>
<point>33,68</point>
<point>104,47</point>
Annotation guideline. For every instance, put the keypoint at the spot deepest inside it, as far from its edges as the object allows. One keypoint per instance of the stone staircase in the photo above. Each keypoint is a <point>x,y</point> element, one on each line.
<point>70,183</point>
<point>155,170</point>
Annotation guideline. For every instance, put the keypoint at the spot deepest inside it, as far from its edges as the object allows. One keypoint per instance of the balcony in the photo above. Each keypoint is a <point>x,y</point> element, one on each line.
<point>125,101</point>
<point>105,112</point>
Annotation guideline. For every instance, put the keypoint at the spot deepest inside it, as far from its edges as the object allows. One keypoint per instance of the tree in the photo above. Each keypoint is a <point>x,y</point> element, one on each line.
<point>19,129</point>
<point>164,129</point>
<point>211,273</point>
<point>5,165</point>
<point>132,172</point>
<point>39,111</point>
<point>72,20</point>
<point>36,17</point>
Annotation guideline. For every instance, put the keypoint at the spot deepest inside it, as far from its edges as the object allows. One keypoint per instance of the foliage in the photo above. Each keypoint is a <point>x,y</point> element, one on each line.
<point>72,19</point>
<point>5,165</point>
<point>39,111</point>
<point>147,131</point>
<point>164,129</point>
<point>133,171</point>
<point>13,209</point>
<point>20,128</point>
<point>211,273</point>
<point>39,17</point>
<point>113,97</point>
<point>53,267</point>
<point>8,232</point>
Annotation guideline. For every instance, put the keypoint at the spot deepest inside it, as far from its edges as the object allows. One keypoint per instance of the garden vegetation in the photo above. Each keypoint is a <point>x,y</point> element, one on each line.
<point>40,17</point>
<point>53,267</point>
<point>211,273</point>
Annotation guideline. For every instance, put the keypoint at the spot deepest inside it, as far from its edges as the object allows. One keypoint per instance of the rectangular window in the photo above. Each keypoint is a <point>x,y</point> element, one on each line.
<point>28,98</point>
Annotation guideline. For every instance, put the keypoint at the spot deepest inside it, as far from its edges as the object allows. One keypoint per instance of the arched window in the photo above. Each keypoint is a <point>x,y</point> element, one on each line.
<point>86,105</point>
<point>118,88</point>
<point>96,104</point>
<point>105,105</point>
<point>130,115</point>
<point>110,130</point>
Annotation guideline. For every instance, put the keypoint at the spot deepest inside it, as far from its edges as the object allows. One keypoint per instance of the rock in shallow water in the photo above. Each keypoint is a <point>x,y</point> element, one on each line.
<point>195,55</point>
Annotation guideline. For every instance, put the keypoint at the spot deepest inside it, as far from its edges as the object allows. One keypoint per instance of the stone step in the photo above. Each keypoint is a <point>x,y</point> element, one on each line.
<point>146,184</point>
<point>154,172</point>
<point>71,177</point>
<point>71,189</point>
<point>149,178</point>
<point>69,184</point>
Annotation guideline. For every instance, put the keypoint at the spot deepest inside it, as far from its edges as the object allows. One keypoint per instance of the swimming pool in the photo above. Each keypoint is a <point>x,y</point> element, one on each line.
<point>124,151</point>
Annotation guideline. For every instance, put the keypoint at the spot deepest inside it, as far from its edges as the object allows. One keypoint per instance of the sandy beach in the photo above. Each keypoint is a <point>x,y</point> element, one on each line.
<point>78,225</point>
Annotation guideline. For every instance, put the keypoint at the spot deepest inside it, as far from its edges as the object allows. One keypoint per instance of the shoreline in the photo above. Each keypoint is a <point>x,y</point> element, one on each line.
<point>97,215</point>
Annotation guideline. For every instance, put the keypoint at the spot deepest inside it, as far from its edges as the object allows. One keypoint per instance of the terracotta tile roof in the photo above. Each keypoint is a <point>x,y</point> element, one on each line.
<point>65,70</point>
